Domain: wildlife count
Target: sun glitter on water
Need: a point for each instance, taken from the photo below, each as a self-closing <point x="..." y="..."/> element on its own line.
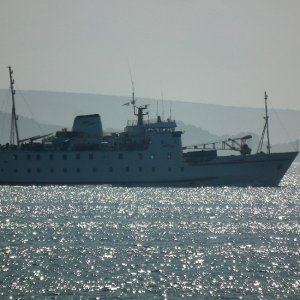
<point x="100" y="241"/>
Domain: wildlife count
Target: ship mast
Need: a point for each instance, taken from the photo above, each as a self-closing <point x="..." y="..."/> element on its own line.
<point x="14" y="117"/>
<point x="140" y="109"/>
<point x="266" y="128"/>
<point x="133" y="99"/>
<point x="267" y="122"/>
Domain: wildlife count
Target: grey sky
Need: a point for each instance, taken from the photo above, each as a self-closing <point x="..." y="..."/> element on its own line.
<point x="224" y="52"/>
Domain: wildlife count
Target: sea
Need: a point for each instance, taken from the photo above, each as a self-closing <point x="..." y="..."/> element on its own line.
<point x="104" y="242"/>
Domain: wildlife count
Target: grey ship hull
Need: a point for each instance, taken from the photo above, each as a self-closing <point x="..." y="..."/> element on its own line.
<point x="105" y="168"/>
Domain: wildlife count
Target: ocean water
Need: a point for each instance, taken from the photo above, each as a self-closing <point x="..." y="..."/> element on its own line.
<point x="102" y="242"/>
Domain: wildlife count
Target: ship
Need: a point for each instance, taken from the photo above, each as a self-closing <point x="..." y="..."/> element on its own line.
<point x="146" y="153"/>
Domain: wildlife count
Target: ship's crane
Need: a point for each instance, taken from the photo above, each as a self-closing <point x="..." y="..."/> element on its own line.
<point x="236" y="144"/>
<point x="34" y="138"/>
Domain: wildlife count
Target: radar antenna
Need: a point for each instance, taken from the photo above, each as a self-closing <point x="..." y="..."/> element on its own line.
<point x="140" y="113"/>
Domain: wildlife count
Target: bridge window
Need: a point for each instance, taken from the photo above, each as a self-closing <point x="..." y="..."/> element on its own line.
<point x="170" y="169"/>
<point x="94" y="170"/>
<point x="65" y="157"/>
<point x="38" y="170"/>
<point x="38" y="156"/>
<point x="120" y="156"/>
<point x="152" y="156"/>
<point x="91" y="156"/>
<point x="65" y="170"/>
<point x="153" y="169"/>
<point x="77" y="156"/>
<point x="78" y="170"/>
<point x="51" y="156"/>
<point x="28" y="170"/>
<point x="140" y="169"/>
<point x="140" y="155"/>
<point x="51" y="170"/>
<point x="169" y="155"/>
<point x="182" y="169"/>
<point x="15" y="157"/>
<point x="28" y="157"/>
<point x="127" y="169"/>
<point x="111" y="169"/>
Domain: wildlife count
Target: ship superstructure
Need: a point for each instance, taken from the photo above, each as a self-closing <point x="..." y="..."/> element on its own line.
<point x="146" y="153"/>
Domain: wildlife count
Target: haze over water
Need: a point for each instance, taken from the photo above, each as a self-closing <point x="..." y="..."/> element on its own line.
<point x="102" y="242"/>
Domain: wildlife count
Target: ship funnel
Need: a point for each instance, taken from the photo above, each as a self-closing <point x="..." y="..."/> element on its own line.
<point x="88" y="125"/>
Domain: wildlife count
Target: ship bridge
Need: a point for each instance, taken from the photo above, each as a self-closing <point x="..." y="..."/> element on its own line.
<point x="154" y="125"/>
<point x="140" y="126"/>
<point x="161" y="126"/>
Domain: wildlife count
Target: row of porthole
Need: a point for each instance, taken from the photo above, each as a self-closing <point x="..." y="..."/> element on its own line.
<point x="90" y="156"/>
<point x="51" y="156"/>
<point x="51" y="170"/>
<point x="78" y="170"/>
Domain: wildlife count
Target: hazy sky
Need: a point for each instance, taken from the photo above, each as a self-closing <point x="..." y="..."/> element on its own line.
<point x="215" y="51"/>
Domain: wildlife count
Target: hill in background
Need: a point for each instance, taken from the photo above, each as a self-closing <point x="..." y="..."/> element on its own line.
<point x="43" y="112"/>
